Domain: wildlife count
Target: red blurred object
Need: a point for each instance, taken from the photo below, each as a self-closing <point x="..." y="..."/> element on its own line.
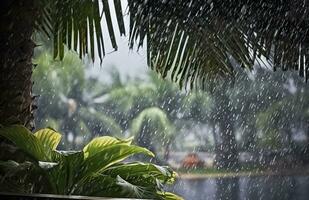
<point x="192" y="161"/>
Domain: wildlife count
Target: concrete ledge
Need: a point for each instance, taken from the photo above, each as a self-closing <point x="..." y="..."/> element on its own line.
<point x="12" y="196"/>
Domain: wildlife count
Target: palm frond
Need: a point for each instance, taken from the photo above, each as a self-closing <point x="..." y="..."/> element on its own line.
<point x="77" y="24"/>
<point x="190" y="42"/>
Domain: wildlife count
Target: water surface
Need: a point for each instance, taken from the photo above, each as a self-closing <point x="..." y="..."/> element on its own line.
<point x="244" y="188"/>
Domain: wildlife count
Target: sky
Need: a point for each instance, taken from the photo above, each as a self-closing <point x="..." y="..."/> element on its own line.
<point x="129" y="63"/>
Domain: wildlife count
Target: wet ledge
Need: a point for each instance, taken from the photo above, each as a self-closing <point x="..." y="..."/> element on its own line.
<point x="12" y="196"/>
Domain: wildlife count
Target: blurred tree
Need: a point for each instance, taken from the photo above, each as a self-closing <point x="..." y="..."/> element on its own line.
<point x="251" y="94"/>
<point x="68" y="101"/>
<point x="224" y="118"/>
<point x="153" y="130"/>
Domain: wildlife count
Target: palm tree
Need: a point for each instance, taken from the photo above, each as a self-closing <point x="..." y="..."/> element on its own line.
<point x="74" y="23"/>
<point x="152" y="127"/>
<point x="188" y="41"/>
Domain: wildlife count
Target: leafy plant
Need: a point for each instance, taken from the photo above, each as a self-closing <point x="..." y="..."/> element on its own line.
<point x="97" y="170"/>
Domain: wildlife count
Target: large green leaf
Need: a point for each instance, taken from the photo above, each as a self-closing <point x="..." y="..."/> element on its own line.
<point x="143" y="191"/>
<point x="49" y="138"/>
<point x="99" y="143"/>
<point x="104" y="186"/>
<point x="26" y="141"/>
<point x="136" y="190"/>
<point x="109" y="156"/>
<point x="94" y="171"/>
<point x="138" y="170"/>
<point x="116" y="187"/>
<point x="109" y="186"/>
<point x="65" y="174"/>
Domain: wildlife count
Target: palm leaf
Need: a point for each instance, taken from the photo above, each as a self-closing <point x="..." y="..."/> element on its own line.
<point x="77" y="24"/>
<point x="188" y="41"/>
<point x="191" y="42"/>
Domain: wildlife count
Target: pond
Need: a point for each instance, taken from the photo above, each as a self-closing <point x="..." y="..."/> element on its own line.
<point x="244" y="188"/>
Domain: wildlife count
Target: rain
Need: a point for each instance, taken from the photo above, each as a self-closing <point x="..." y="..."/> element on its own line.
<point x="194" y="100"/>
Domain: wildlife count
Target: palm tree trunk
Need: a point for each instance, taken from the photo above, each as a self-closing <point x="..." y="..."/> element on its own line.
<point x="17" y="23"/>
<point x="249" y="139"/>
<point x="225" y="146"/>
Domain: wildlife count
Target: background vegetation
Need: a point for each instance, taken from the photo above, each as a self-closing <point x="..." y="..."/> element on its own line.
<point x="261" y="112"/>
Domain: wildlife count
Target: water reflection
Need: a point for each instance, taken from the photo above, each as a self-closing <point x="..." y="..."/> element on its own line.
<point x="245" y="188"/>
<point x="227" y="188"/>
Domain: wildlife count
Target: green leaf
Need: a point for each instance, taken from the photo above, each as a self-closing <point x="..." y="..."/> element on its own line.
<point x="104" y="186"/>
<point x="116" y="187"/>
<point x="136" y="190"/>
<point x="94" y="171"/>
<point x="47" y="165"/>
<point x="26" y="141"/>
<point x="109" y="156"/>
<point x="139" y="170"/>
<point x="169" y="196"/>
<point x="106" y="9"/>
<point x="48" y="137"/>
<point x="10" y="164"/>
<point x="97" y="144"/>
<point x="24" y="177"/>
<point x="65" y="174"/>
<point x="119" y="15"/>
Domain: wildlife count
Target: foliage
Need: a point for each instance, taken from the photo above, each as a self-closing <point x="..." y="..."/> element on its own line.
<point x="77" y="24"/>
<point x="152" y="127"/>
<point x="97" y="170"/>
<point x="191" y="42"/>
<point x="68" y="101"/>
<point x="187" y="42"/>
<point x="158" y="120"/>
<point x="113" y="108"/>
<point x="57" y="81"/>
<point x="97" y="107"/>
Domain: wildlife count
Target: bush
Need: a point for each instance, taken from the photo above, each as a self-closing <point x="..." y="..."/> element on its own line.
<point x="97" y="170"/>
